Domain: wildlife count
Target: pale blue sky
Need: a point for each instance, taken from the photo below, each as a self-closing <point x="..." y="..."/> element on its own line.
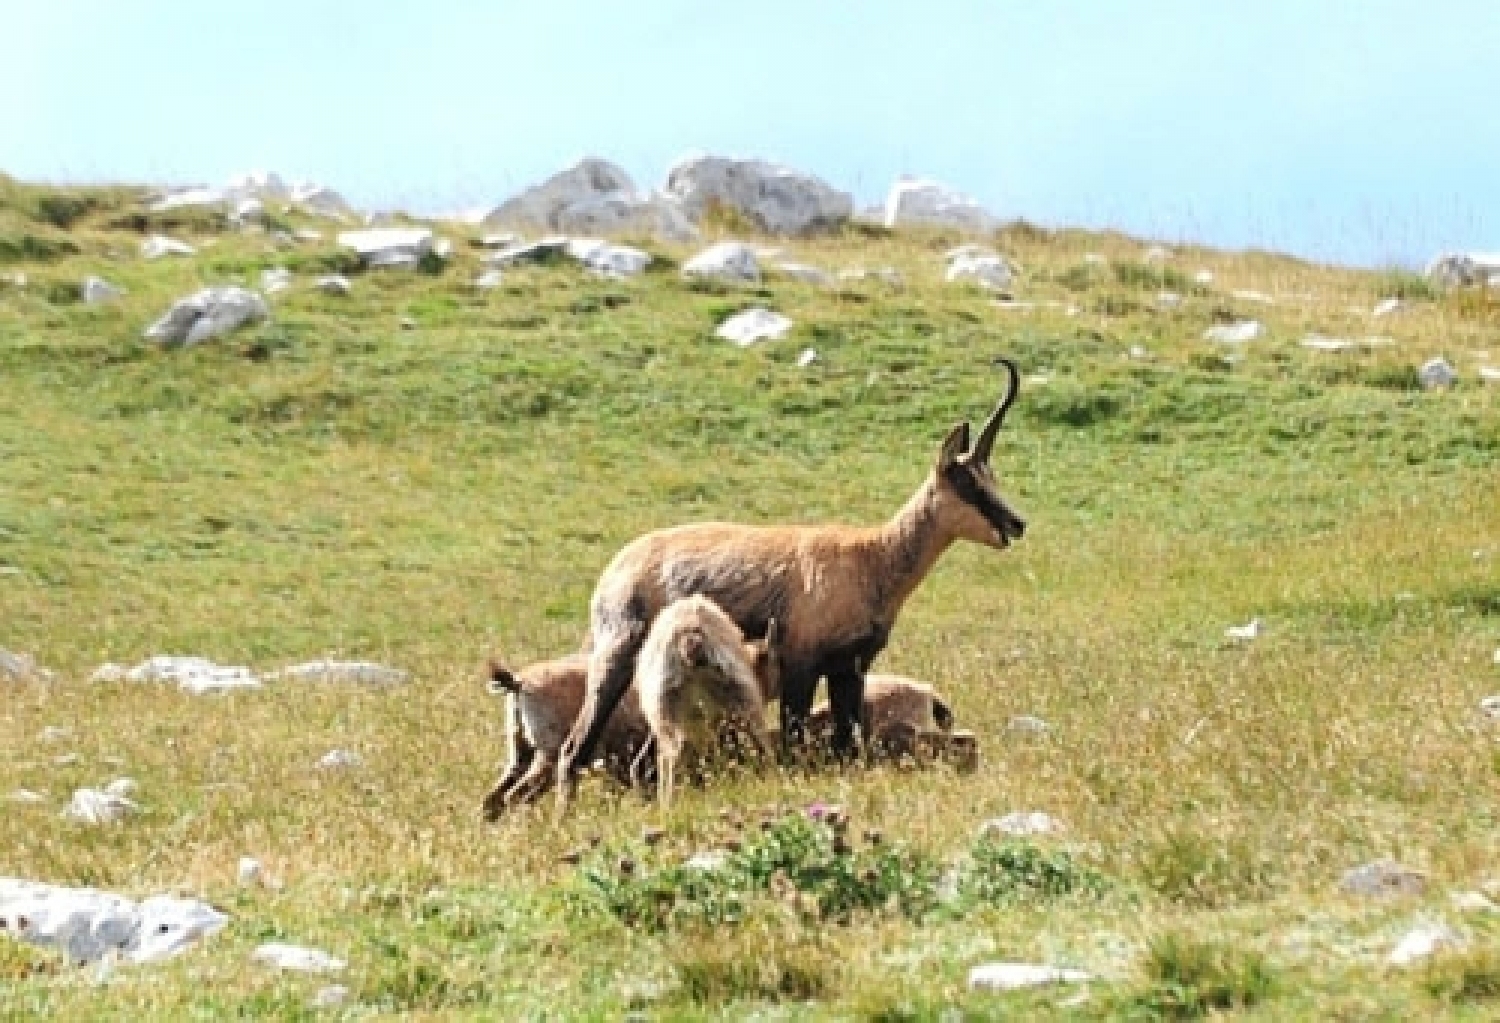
<point x="1357" y="130"/>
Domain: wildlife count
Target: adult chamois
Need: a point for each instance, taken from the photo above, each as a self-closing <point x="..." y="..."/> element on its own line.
<point x="836" y="590"/>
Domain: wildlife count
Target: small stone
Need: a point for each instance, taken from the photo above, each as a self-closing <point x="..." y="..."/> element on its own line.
<point x="1026" y="724"/>
<point x="275" y="279"/>
<point x="709" y="859"/>
<point x="1203" y="277"/>
<point x="1021" y="825"/>
<point x="987" y="269"/>
<point x="1490" y="705"/>
<point x="807" y="358"/>
<point x="91" y="806"/>
<point x="1422" y="941"/>
<point x="96" y="290"/>
<point x="1014" y="976"/>
<point x="333" y="284"/>
<point x="1095" y="259"/>
<point x="1383" y="878"/>
<point x="1158" y="254"/>
<point x="407" y="323"/>
<point x="26" y="796"/>
<point x="753" y="325"/>
<point x="366" y="673"/>
<point x="207" y="314"/>
<point x="157" y="246"/>
<point x="1472" y="902"/>
<point x="1139" y="352"/>
<point x="728" y="260"/>
<point x="1385" y="307"/>
<point x="1237" y="333"/>
<point x="54" y="733"/>
<point x="1252" y="296"/>
<point x="489" y="279"/>
<point x="250" y="871"/>
<point x="1245" y="633"/>
<point x="121" y="788"/>
<point x="335" y="759"/>
<point x="297" y="958"/>
<point x="1437" y="373"/>
<point x="1168" y="299"/>
<point x="330" y="997"/>
<point x="307" y="234"/>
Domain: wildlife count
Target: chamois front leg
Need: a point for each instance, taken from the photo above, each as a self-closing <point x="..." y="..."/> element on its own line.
<point x="610" y="670"/>
<point x="797" y="691"/>
<point x="846" y="698"/>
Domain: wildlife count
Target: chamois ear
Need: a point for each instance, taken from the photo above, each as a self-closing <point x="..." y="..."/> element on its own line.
<point x="954" y="445"/>
<point x="773" y="635"/>
<point x="501" y="680"/>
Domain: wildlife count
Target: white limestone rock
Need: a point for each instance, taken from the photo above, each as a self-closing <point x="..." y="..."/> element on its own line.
<point x="1319" y="343"/>
<point x="248" y="211"/>
<point x="489" y="279"/>
<point x="987" y="269"/>
<point x="1028" y="724"/>
<point x="1472" y="902"/>
<point x="1246" y="295"/>
<point x="1245" y="633"/>
<point x="1015" y="976"/>
<point x="807" y="358"/>
<point x="1021" y="824"/>
<point x="921" y="202"/>
<point x="98" y="806"/>
<point x="607" y="259"/>
<point x="1203" y="278"/>
<point x="1464" y="269"/>
<point x="297" y="958"/>
<point x="775" y="199"/>
<point x="307" y="234"/>
<point x="339" y="759"/>
<point x="26" y="796"/>
<point x="1158" y="254"/>
<point x="622" y="213"/>
<point x="1383" y="879"/>
<point x="388" y="246"/>
<point x="1490" y="374"/>
<point x="207" y="314"/>
<point x="545" y="250"/>
<point x="753" y="325"/>
<point x="275" y="279"/>
<point x="1424" y="940"/>
<point x="334" y="284"/>
<point x="541" y="207"/>
<point x="362" y="673"/>
<point x="320" y="201"/>
<point x="21" y="668"/>
<point x="194" y="674"/>
<point x="330" y="996"/>
<point x="97" y="291"/>
<point x="1168" y="300"/>
<point x="727" y="261"/>
<point x="1237" y="333"/>
<point x="87" y="925"/>
<point x="1490" y="705"/>
<point x="1437" y="373"/>
<point x="1385" y="307"/>
<point x="159" y="245"/>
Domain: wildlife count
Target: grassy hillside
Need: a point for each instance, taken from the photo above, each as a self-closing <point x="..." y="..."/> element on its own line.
<point x="424" y="473"/>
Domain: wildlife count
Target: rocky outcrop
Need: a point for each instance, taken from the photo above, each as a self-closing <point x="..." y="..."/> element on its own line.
<point x="207" y="314"/>
<point x="772" y="198"/>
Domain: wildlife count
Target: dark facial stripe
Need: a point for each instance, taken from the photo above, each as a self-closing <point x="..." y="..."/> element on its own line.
<point x="962" y="480"/>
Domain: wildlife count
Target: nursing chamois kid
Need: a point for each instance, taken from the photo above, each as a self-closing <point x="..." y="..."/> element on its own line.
<point x="836" y="589"/>
<point x="697" y="675"/>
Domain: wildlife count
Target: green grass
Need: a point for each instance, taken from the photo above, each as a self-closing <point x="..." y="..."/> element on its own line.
<point x="333" y="484"/>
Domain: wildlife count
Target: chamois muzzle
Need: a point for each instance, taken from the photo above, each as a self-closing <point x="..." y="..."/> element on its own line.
<point x="986" y="441"/>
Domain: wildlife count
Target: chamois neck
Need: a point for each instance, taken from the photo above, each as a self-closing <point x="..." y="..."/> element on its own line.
<point x="910" y="544"/>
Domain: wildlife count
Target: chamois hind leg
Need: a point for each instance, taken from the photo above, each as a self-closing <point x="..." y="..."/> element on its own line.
<point x="522" y="753"/>
<point x="611" y="667"/>
<point x="846" y="698"/>
<point x="534" y="784"/>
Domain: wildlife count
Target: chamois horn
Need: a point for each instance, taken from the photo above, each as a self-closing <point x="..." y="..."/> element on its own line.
<point x="981" y="452"/>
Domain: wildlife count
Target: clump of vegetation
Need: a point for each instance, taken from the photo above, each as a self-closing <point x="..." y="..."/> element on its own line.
<point x="803" y="862"/>
<point x="1193" y="870"/>
<point x="765" y="963"/>
<point x="1189" y="977"/>
<point x="1472" y="975"/>
<point x="1005" y="872"/>
<point x="1151" y="277"/>
<point x="1408" y="287"/>
<point x="20" y="961"/>
<point x="1072" y="403"/>
<point x="35" y="247"/>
